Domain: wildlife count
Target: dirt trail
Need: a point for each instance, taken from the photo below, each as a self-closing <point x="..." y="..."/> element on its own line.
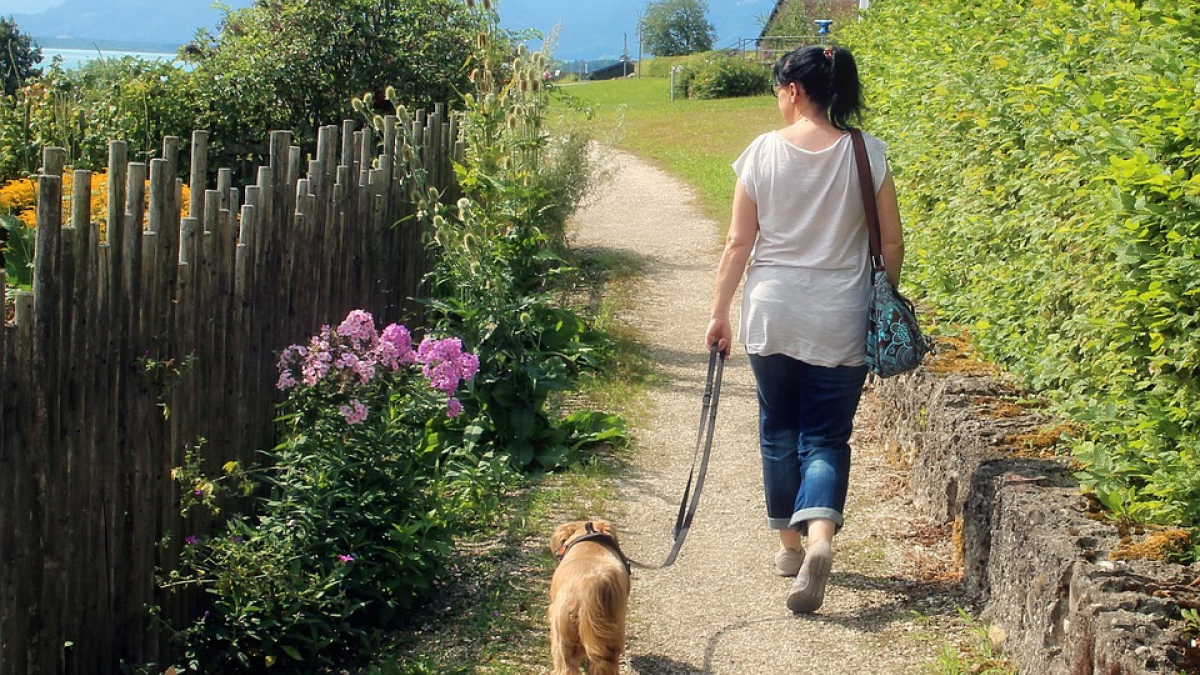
<point x="890" y="606"/>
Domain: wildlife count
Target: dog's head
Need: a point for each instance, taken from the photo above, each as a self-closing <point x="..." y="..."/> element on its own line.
<point x="568" y="531"/>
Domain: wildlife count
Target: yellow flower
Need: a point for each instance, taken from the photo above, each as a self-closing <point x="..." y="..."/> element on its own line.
<point x="17" y="195"/>
<point x="20" y="197"/>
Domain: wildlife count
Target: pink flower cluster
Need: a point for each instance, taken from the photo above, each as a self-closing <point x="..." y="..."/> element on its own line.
<point x="354" y="413"/>
<point x="355" y="352"/>
<point x="445" y="364"/>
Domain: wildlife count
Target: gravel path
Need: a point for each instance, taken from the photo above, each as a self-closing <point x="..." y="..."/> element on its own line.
<point x="890" y="606"/>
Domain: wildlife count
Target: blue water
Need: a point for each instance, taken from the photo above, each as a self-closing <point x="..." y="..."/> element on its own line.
<point x="73" y="58"/>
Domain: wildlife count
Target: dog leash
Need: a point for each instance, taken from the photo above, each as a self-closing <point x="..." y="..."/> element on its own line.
<point x="704" y="439"/>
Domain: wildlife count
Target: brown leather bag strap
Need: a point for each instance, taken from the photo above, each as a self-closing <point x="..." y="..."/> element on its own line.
<point x="866" y="184"/>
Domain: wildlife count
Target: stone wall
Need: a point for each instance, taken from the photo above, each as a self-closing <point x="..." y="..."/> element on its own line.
<point x="1034" y="557"/>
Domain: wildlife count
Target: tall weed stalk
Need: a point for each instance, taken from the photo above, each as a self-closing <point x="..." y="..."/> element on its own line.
<point x="500" y="263"/>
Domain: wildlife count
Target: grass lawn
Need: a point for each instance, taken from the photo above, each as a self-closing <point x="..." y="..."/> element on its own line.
<point x="694" y="140"/>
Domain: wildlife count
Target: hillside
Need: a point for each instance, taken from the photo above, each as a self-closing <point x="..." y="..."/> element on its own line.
<point x="156" y="22"/>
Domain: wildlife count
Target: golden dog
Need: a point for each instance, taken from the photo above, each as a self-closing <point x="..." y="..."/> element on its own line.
<point x="589" y="597"/>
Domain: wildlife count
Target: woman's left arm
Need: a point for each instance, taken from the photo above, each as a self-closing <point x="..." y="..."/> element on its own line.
<point x="743" y="231"/>
<point x="891" y="233"/>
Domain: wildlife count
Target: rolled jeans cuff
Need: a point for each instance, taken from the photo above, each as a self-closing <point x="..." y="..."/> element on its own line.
<point x="799" y="519"/>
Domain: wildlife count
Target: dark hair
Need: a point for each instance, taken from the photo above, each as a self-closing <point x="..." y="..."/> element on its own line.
<point x="830" y="80"/>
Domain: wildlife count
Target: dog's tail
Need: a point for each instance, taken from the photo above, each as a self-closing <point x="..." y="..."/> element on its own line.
<point x="602" y="626"/>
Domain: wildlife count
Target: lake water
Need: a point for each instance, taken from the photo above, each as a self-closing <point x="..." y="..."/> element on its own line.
<point x="73" y="58"/>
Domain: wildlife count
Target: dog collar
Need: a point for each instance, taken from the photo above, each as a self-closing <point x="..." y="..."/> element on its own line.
<point x="606" y="540"/>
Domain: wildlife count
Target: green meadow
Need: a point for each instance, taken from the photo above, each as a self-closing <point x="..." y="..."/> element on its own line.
<point x="694" y="140"/>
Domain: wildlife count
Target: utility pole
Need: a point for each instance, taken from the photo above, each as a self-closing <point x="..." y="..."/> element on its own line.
<point x="640" y="30"/>
<point x="625" y="55"/>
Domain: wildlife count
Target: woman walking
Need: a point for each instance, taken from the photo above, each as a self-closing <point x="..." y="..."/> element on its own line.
<point x="798" y="221"/>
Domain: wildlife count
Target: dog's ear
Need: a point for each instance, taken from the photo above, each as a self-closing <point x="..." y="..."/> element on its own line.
<point x="562" y="533"/>
<point x="605" y="527"/>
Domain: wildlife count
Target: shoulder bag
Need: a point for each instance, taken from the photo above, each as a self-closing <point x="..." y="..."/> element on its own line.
<point x="894" y="340"/>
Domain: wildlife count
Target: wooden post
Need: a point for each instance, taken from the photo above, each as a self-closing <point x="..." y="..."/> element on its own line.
<point x="45" y="581"/>
<point x="9" y="509"/>
<point x="22" y="653"/>
<point x="198" y="174"/>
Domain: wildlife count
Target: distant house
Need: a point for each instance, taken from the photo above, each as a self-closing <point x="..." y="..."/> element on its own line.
<point x="623" y="68"/>
<point x="841" y="9"/>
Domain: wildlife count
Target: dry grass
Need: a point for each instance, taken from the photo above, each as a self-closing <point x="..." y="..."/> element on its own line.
<point x="957" y="356"/>
<point x="1165" y="545"/>
<point x="1041" y="443"/>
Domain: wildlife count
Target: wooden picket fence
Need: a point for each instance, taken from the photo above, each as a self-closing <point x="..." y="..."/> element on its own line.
<point x="144" y="337"/>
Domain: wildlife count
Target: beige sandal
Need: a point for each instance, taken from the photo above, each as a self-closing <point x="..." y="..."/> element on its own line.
<point x="788" y="562"/>
<point x="808" y="591"/>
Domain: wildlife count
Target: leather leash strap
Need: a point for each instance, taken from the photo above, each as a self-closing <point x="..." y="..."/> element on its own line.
<point x="704" y="439"/>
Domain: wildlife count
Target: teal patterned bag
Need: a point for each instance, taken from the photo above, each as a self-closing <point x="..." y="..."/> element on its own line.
<point x="894" y="340"/>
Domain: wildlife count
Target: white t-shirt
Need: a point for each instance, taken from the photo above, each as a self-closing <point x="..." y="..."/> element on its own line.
<point x="808" y="281"/>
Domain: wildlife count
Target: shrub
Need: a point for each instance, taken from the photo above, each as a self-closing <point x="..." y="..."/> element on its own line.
<point x="81" y="110"/>
<point x="296" y="65"/>
<point x="724" y="76"/>
<point x="1047" y="154"/>
<point x="360" y="502"/>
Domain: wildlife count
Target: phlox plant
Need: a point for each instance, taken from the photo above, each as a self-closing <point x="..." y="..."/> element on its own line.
<point x="359" y="506"/>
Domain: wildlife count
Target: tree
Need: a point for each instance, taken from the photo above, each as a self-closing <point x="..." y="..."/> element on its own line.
<point x="18" y="56"/>
<point x="677" y="27"/>
<point x="297" y="64"/>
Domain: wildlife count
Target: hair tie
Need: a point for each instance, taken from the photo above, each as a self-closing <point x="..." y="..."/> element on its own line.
<point x="829" y="53"/>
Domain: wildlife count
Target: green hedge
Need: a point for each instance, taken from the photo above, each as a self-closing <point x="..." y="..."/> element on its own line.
<point x="1046" y="153"/>
<point x="724" y="76"/>
<point x="709" y="75"/>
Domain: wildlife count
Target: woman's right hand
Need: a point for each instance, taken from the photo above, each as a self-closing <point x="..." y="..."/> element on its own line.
<point x="719" y="333"/>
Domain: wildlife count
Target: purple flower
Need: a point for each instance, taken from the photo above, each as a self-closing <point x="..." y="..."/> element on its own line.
<point x="237" y="539"/>
<point x="398" y="338"/>
<point x="453" y="407"/>
<point x="346" y="558"/>
<point x="286" y="381"/>
<point x="359" y="326"/>
<point x="445" y="364"/>
<point x="192" y="540"/>
<point x="355" y="412"/>
<point x="469" y="364"/>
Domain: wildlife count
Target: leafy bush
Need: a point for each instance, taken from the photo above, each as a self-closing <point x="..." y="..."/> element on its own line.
<point x="17" y="254"/>
<point x="724" y="76"/>
<point x="359" y="506"/>
<point x="81" y="110"/>
<point x="295" y="65"/>
<point x="1047" y="153"/>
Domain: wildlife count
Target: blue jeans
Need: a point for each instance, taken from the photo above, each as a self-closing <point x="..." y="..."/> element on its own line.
<point x="806" y="414"/>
